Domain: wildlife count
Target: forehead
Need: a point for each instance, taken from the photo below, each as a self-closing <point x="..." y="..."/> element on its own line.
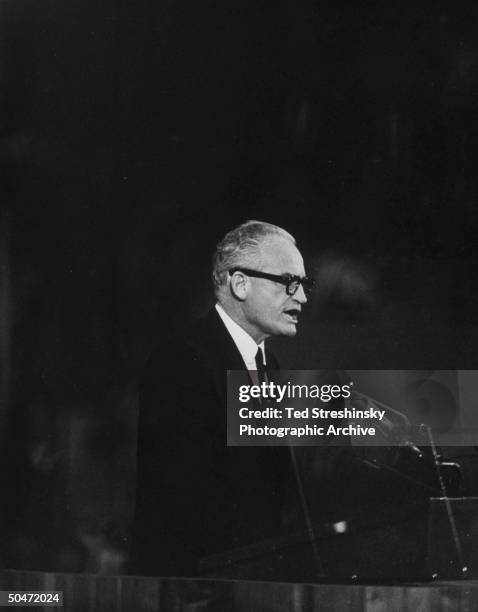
<point x="280" y="256"/>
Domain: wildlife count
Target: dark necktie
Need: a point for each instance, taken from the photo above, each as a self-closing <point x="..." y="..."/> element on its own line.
<point x="261" y="368"/>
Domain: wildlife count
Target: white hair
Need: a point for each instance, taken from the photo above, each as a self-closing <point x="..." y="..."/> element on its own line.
<point x="240" y="248"/>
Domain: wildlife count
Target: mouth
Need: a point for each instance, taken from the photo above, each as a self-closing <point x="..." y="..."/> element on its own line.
<point x="292" y="314"/>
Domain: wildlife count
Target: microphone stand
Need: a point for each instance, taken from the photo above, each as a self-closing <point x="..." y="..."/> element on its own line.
<point x="395" y="437"/>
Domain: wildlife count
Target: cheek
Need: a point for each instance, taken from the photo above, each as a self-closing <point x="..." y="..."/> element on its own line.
<point x="277" y="310"/>
<point x="257" y="307"/>
<point x="267" y="304"/>
<point x="261" y="301"/>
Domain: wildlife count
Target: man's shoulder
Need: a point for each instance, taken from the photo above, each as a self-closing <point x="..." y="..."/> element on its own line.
<point x="204" y="342"/>
<point x="203" y="331"/>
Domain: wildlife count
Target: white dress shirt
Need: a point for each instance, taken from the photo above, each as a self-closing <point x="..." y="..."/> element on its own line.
<point x="245" y="344"/>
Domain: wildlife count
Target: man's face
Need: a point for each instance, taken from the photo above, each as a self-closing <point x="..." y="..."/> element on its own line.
<point x="267" y="308"/>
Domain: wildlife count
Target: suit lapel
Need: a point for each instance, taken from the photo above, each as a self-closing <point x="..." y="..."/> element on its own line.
<point x="211" y="337"/>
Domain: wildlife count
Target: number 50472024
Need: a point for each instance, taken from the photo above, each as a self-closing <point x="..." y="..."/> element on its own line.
<point x="31" y="598"/>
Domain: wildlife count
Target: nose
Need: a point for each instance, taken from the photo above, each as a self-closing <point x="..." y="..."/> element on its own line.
<point x="299" y="295"/>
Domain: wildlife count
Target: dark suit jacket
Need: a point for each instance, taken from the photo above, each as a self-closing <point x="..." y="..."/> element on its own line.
<point x="195" y="495"/>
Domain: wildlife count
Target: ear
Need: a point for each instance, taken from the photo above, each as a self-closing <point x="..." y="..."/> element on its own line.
<point x="239" y="285"/>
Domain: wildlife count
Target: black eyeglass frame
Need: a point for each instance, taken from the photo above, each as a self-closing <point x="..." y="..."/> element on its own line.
<point x="284" y="279"/>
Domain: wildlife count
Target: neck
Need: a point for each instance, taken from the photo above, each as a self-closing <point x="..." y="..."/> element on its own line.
<point x="236" y="314"/>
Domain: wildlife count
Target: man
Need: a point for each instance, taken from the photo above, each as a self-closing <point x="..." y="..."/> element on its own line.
<point x="195" y="495"/>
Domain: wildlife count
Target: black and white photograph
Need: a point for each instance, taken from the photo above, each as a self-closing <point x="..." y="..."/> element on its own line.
<point x="239" y="306"/>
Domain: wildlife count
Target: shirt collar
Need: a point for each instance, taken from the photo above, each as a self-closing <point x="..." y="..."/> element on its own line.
<point x="246" y="345"/>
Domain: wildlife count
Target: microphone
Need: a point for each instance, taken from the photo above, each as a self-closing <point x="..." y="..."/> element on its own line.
<point x="395" y="434"/>
<point x="398" y="433"/>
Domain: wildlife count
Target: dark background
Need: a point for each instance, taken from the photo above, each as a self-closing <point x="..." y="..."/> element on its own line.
<point x="133" y="135"/>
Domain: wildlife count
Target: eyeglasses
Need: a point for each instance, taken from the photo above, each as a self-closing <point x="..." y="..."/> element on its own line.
<point x="291" y="282"/>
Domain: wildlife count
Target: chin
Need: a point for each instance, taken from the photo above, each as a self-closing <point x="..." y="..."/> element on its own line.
<point x="289" y="331"/>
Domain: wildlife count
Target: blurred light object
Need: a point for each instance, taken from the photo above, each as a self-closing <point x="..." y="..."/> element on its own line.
<point x="340" y="527"/>
<point x="346" y="285"/>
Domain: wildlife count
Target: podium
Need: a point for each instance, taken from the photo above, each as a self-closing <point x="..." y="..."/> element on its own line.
<point x="453" y="538"/>
<point x="434" y="540"/>
<point x="408" y="565"/>
<point x="140" y="594"/>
